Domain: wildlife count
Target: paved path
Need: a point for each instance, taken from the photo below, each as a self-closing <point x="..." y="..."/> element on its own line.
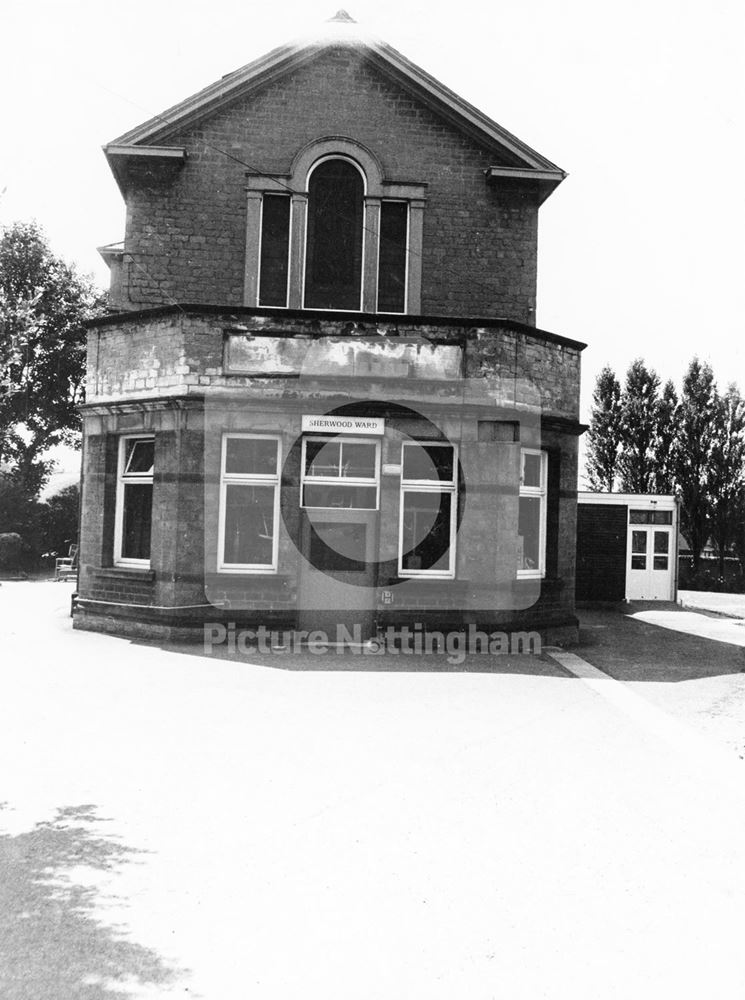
<point x="231" y="830"/>
<point x="731" y="605"/>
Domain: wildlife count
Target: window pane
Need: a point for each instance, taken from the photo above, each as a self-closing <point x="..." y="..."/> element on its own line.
<point x="322" y="458"/>
<point x="638" y="562"/>
<point x="137" y="520"/>
<point x="249" y="524"/>
<point x="639" y="541"/>
<point x="275" y="250"/>
<point x="343" y="497"/>
<point x="139" y="457"/>
<point x="532" y="469"/>
<point x="428" y="462"/>
<point x="661" y="542"/>
<point x="660" y="562"/>
<point x="333" y="269"/>
<point x="394" y="217"/>
<point x="426" y="531"/>
<point x="358" y="460"/>
<point x="663" y="517"/>
<point x="251" y="456"/>
<point x="529" y="533"/>
<point x="639" y="516"/>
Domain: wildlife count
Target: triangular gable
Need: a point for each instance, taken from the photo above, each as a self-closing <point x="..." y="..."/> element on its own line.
<point x="523" y="161"/>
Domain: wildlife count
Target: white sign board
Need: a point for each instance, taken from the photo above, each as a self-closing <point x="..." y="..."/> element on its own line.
<point x="331" y="424"/>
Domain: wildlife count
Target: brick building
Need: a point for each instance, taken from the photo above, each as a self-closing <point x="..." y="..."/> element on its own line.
<point x="320" y="397"/>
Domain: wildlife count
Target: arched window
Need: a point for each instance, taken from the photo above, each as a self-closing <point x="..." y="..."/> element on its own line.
<point x="333" y="260"/>
<point x="334" y="233"/>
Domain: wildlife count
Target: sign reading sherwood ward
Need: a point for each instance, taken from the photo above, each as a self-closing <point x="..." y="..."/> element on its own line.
<point x="343" y="425"/>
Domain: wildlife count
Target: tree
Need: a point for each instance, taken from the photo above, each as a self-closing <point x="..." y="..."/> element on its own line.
<point x="696" y="417"/>
<point x="43" y="306"/>
<point x="727" y="471"/>
<point x="667" y="440"/>
<point x="58" y="520"/>
<point x="639" y="405"/>
<point x="604" y="434"/>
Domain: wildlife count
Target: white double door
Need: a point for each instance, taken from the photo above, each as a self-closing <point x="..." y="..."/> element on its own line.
<point x="649" y="567"/>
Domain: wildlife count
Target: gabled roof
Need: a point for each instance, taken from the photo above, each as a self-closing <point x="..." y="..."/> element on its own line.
<point x="342" y="32"/>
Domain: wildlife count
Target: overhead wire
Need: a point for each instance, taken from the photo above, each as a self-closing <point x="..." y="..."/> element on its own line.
<point x="448" y="268"/>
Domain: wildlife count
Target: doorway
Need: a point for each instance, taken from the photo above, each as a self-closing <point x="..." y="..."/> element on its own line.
<point x="650" y="563"/>
<point x="339" y="536"/>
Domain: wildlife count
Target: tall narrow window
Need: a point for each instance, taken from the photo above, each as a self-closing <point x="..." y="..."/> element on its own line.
<point x="249" y="503"/>
<point x="428" y="510"/>
<point x="275" y="250"/>
<point x="531" y="553"/>
<point x="394" y="232"/>
<point x="333" y="268"/>
<point x="134" y="501"/>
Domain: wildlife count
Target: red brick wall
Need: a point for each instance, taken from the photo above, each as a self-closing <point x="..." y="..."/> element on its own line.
<point x="186" y="232"/>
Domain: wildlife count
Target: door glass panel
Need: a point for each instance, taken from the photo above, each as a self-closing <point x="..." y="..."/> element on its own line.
<point x="660" y="562"/>
<point x="638" y="562"/>
<point x="661" y="542"/>
<point x="639" y="542"/>
<point x="338" y="546"/>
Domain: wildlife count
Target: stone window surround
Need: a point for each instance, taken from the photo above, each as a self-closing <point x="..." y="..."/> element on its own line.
<point x="377" y="189"/>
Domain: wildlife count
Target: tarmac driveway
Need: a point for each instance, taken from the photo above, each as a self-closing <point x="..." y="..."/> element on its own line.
<point x="691" y="664"/>
<point x="177" y="826"/>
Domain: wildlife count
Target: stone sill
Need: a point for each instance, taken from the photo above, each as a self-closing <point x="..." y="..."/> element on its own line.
<point x="122" y="573"/>
<point x="223" y="580"/>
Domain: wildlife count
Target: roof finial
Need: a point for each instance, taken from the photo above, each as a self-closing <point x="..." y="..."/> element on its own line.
<point x="341" y="15"/>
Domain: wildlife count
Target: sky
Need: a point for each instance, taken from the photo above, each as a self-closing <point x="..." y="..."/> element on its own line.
<point x="642" y="248"/>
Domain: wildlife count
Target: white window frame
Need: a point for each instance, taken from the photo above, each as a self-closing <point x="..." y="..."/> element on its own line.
<point x="388" y="312"/>
<point x="248" y="479"/>
<point x="122" y="480"/>
<point x="540" y="492"/>
<point x="340" y="480"/>
<point x="429" y="486"/>
<point x="274" y="194"/>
